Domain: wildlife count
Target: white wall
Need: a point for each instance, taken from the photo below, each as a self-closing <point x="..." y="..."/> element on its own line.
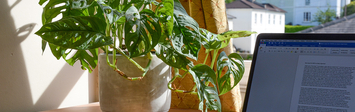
<point x="295" y="7"/>
<point x="286" y="5"/>
<point x="243" y="18"/>
<point x="230" y="24"/>
<point x="246" y="21"/>
<point x="313" y="7"/>
<point x="30" y="81"/>
<point x="243" y="21"/>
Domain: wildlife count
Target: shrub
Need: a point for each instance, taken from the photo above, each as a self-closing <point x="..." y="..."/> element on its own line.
<point x="294" y="29"/>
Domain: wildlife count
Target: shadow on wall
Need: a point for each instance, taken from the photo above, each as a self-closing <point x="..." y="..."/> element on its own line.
<point x="15" y="92"/>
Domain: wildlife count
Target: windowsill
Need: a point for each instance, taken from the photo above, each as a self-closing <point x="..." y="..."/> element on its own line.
<point x="95" y="107"/>
<point x="308" y="22"/>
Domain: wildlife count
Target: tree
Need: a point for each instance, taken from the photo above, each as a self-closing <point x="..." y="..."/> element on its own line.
<point x="350" y="9"/>
<point x="324" y="16"/>
<point x="229" y="1"/>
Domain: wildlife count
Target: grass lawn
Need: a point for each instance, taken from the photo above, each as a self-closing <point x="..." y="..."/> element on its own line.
<point x="294" y="29"/>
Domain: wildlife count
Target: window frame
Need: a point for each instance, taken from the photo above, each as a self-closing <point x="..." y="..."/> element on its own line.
<point x="261" y="18"/>
<point x="256" y="18"/>
<point x="269" y="21"/>
<point x="280" y="19"/>
<point x="307" y="17"/>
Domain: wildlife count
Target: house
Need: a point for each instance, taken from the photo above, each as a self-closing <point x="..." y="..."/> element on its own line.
<point x="254" y="16"/>
<point x="301" y="12"/>
<point x="230" y="21"/>
<point x="342" y="25"/>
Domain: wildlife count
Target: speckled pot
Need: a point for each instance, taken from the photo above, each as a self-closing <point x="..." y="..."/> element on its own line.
<point x="147" y="95"/>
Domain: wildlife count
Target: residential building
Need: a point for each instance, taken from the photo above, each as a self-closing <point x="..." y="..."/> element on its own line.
<point x="301" y="12"/>
<point x="257" y="17"/>
<point x="230" y="21"/>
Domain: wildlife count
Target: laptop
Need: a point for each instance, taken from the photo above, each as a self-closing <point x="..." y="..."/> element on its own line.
<point x="302" y="73"/>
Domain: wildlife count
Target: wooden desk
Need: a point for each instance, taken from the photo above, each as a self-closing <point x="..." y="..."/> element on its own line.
<point x="95" y="107"/>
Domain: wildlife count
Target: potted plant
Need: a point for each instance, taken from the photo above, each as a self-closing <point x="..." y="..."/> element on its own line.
<point x="75" y="30"/>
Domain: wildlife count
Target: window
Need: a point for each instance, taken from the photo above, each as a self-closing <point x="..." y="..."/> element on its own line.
<point x="280" y="19"/>
<point x="256" y="15"/>
<point x="307" y="2"/>
<point x="261" y="18"/>
<point x="273" y="21"/>
<point x="307" y="16"/>
<point x="269" y="19"/>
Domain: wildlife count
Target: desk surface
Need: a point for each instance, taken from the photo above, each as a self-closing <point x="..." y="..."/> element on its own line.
<point x="95" y="107"/>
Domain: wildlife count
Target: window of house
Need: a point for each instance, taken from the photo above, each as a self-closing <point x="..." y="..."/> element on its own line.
<point x="255" y="19"/>
<point x="261" y="18"/>
<point x="308" y="2"/>
<point x="280" y="19"/>
<point x="269" y="19"/>
<point x="273" y="21"/>
<point x="307" y="16"/>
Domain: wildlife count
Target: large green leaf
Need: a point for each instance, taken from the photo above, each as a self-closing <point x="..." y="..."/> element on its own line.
<point x="66" y="7"/>
<point x="53" y="8"/>
<point x="166" y="14"/>
<point x="41" y="2"/>
<point x="57" y="51"/>
<point x="136" y="3"/>
<point x="80" y="33"/>
<point x="111" y="14"/>
<point x="203" y="75"/>
<point x="81" y="4"/>
<point x="231" y="62"/>
<point x="226" y="36"/>
<point x="210" y="40"/>
<point x="175" y="49"/>
<point x="187" y="28"/>
<point x="168" y="55"/>
<point x="87" y="58"/>
<point x="142" y="31"/>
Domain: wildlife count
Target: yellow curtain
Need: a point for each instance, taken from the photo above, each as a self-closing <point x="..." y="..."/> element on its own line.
<point x="210" y="15"/>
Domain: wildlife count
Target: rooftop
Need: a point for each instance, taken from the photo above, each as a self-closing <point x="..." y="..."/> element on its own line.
<point x="231" y="17"/>
<point x="246" y="4"/>
<point x="342" y="25"/>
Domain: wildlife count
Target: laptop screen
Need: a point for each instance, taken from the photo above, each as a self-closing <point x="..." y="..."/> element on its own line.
<point x="302" y="73"/>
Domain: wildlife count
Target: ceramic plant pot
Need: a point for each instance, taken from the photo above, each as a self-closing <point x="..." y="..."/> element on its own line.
<point x="150" y="94"/>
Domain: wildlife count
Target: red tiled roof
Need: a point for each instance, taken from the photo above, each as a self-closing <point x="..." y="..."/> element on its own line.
<point x="239" y="4"/>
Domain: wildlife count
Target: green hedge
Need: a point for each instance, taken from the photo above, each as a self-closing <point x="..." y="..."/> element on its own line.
<point x="293" y="29"/>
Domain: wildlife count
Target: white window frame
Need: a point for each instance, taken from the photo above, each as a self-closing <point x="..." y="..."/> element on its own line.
<point x="256" y="19"/>
<point x="307" y="17"/>
<point x="269" y="19"/>
<point x="280" y="19"/>
<point x="261" y="18"/>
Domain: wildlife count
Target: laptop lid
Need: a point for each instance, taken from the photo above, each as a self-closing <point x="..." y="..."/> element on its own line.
<point x="302" y="73"/>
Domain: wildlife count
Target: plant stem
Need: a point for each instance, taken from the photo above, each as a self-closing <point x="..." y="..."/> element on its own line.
<point x="120" y="35"/>
<point x="130" y="59"/>
<point x="194" y="88"/>
<point x="204" y="62"/>
<point x="178" y="90"/>
<point x="122" y="73"/>
<point x="215" y="52"/>
<point x="114" y="45"/>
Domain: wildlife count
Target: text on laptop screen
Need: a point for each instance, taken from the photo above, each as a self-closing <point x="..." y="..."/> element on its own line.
<point x="303" y="75"/>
